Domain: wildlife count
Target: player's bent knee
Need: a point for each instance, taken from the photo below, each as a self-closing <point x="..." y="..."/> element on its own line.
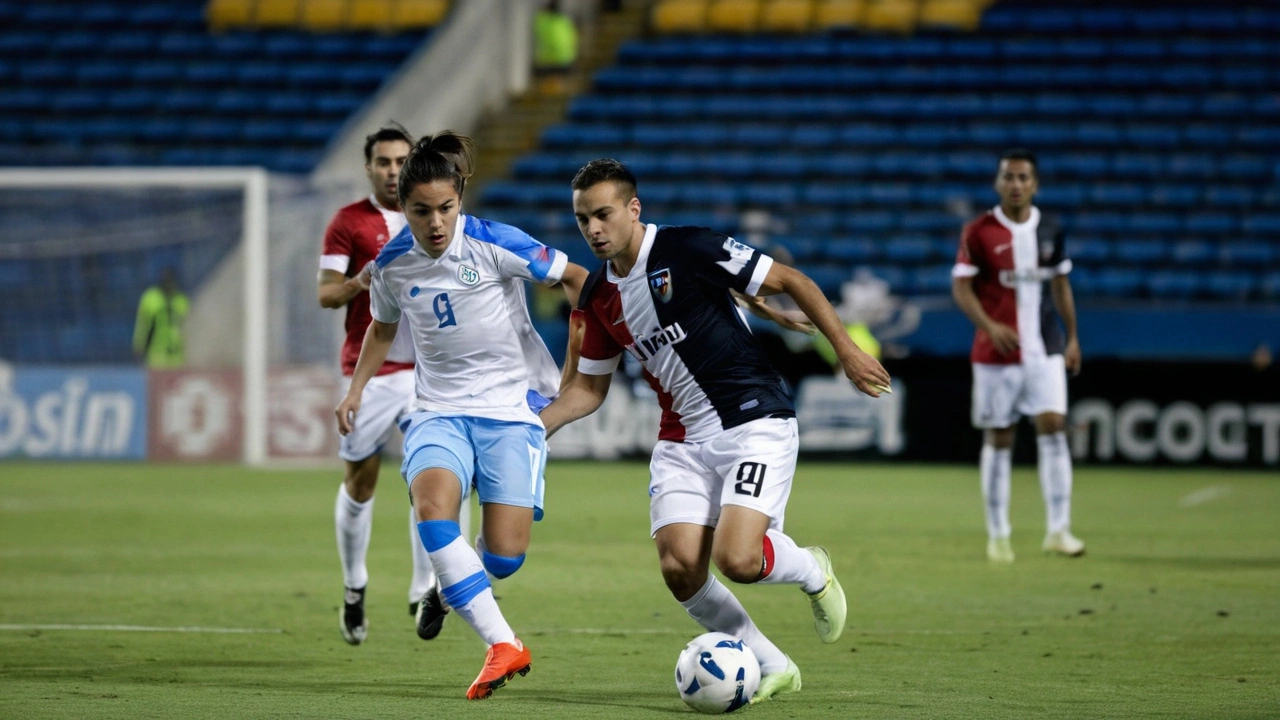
<point x="500" y="566"/>
<point x="740" y="567"/>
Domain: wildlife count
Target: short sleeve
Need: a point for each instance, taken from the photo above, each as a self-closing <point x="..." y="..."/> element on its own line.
<point x="336" y="254"/>
<point x="1058" y="259"/>
<point x="519" y="255"/>
<point x="382" y="302"/>
<point x="969" y="255"/>
<point x="727" y="263"/>
<point x="600" y="353"/>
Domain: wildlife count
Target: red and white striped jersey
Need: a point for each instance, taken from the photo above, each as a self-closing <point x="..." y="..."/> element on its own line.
<point x="1011" y="265"/>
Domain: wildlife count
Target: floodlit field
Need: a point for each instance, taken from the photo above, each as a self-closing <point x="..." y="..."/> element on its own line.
<point x="1174" y="612"/>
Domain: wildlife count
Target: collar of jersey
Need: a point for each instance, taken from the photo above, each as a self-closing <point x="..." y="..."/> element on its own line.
<point x="1033" y="218"/>
<point x="454" y="250"/>
<point x="642" y="258"/>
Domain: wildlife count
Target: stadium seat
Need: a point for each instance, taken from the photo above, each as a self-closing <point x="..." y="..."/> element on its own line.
<point x="1173" y="284"/>
<point x="850" y="250"/>
<point x="1193" y="252"/>
<point x="1088" y="250"/>
<point x="418" y="14"/>
<point x="364" y="15"/>
<point x="838" y="14"/>
<point x="950" y="14"/>
<point x="323" y="15"/>
<point x="224" y="14"/>
<point x="276" y="13"/>
<point x="1231" y="285"/>
<point x="897" y="16"/>
<point x="738" y="16"/>
<point x="1246" y="254"/>
<point x="679" y="16"/>
<point x="1141" y="252"/>
<point x="791" y="16"/>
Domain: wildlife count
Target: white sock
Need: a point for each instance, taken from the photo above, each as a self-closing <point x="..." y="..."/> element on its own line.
<point x="463" y="582"/>
<point x="1055" y="479"/>
<point x="424" y="575"/>
<point x="787" y="562"/>
<point x="995" y="467"/>
<point x="717" y="610"/>
<point x="353" y="522"/>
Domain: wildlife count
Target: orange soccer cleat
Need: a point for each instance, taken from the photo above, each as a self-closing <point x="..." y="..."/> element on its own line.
<point x="501" y="663"/>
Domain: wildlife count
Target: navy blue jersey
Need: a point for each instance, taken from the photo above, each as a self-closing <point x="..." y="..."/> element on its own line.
<point x="675" y="314"/>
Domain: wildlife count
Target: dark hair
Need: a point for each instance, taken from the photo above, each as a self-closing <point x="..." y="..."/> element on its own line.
<point x="394" y="131"/>
<point x="606" y="170"/>
<point x="443" y="156"/>
<point x="1020" y="154"/>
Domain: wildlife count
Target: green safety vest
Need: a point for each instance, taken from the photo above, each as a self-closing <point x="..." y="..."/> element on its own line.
<point x="555" y="40"/>
<point x="158" y="331"/>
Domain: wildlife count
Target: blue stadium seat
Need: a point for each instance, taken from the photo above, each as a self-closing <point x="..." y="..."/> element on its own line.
<point x="1098" y="134"/>
<point x="1173" y="196"/>
<point x="1238" y="197"/>
<point x="1211" y="136"/>
<point x="1247" y="167"/>
<point x="931" y="280"/>
<point x="1173" y="284"/>
<point x="1263" y="225"/>
<point x="803" y="249"/>
<point x="1117" y="282"/>
<point x="1270" y="285"/>
<point x="185" y="45"/>
<point x="1214" y="224"/>
<point x="1112" y="105"/>
<point x="1123" y="194"/>
<point x="851" y="250"/>
<point x="1193" y="252"/>
<point x="872" y="222"/>
<point x="911" y="250"/>
<point x="1231" y="285"/>
<point x="1247" y="254"/>
<point x="1153" y="223"/>
<point x="827" y="277"/>
<point x="1100" y="223"/>
<point x="1088" y="250"/>
<point x="1141" y="252"/>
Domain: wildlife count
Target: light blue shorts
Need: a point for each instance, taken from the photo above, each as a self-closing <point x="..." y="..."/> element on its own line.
<point x="504" y="461"/>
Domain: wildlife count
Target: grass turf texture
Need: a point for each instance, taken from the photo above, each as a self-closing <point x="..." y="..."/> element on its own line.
<point x="1173" y="612"/>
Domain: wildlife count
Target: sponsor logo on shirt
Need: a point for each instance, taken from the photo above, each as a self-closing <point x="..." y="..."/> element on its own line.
<point x="1011" y="278"/>
<point x="468" y="275"/>
<point x="647" y="346"/>
<point x="739" y="256"/>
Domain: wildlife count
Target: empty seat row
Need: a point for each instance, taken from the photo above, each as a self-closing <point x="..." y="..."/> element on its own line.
<point x="1142" y="19"/>
<point x="106" y="78"/>
<point x="723" y="105"/>
<point x="67" y="48"/>
<point x="834" y="78"/>
<point x="872" y="50"/>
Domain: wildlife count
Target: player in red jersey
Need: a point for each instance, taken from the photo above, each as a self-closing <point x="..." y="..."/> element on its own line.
<point x="1010" y="279"/>
<point x="351" y="242"/>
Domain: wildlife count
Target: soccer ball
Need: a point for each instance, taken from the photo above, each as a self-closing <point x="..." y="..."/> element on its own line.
<point x="717" y="673"/>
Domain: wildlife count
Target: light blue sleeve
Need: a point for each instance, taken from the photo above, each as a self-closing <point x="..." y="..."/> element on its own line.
<point x="523" y="256"/>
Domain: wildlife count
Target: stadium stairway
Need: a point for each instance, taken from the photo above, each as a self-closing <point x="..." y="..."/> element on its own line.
<point x="516" y="130"/>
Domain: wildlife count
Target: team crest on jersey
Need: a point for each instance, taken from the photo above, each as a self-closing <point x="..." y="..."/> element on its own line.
<point x="660" y="284"/>
<point x="468" y="275"/>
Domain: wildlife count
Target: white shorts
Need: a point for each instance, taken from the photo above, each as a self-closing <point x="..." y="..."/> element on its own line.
<point x="384" y="401"/>
<point x="750" y="465"/>
<point x="1002" y="394"/>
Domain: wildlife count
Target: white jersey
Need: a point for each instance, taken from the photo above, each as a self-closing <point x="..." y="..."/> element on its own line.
<point x="476" y="349"/>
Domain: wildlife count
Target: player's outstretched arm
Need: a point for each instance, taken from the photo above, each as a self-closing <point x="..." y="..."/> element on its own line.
<point x="583" y="395"/>
<point x="373" y="352"/>
<point x="335" y="289"/>
<point x="1003" y="337"/>
<point x="866" y="373"/>
<point x="1064" y="300"/>
<point x="786" y="320"/>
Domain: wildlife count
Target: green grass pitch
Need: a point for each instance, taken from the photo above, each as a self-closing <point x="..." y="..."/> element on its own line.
<point x="1174" y="612"/>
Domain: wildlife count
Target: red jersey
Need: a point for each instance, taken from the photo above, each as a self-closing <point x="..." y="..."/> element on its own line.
<point x="1011" y="265"/>
<point x="352" y="240"/>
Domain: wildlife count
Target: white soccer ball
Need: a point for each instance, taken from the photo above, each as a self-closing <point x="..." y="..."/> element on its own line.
<point x="717" y="673"/>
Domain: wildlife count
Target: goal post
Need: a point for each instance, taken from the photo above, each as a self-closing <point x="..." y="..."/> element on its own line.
<point x="253" y="184"/>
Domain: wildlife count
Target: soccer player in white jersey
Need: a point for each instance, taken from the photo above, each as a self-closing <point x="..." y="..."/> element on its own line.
<point x="722" y="469"/>
<point x="353" y="239"/>
<point x="1010" y="279"/>
<point x="482" y="375"/>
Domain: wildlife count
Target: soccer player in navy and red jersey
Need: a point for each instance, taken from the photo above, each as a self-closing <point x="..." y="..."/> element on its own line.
<point x="722" y="469"/>
<point x="1010" y="279"/>
<point x="353" y="239"/>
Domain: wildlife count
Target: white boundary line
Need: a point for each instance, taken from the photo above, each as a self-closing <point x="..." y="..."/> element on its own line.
<point x="1204" y="495"/>
<point x="143" y="628"/>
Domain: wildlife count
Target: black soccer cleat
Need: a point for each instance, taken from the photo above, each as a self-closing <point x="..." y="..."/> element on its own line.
<point x="431" y="612"/>
<point x="351" y="620"/>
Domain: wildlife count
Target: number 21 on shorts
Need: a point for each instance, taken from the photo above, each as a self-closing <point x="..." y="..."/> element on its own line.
<point x="750" y="479"/>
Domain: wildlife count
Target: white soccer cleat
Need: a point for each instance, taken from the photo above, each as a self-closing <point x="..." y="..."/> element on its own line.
<point x="999" y="550"/>
<point x="828" y="604"/>
<point x="1063" y="543"/>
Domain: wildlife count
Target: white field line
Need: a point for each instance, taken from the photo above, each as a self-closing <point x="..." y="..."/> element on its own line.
<point x="1204" y="495"/>
<point x="141" y="628"/>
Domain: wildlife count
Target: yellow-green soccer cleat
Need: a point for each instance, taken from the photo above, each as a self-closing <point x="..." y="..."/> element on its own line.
<point x="828" y="604"/>
<point x="999" y="550"/>
<point x="780" y="682"/>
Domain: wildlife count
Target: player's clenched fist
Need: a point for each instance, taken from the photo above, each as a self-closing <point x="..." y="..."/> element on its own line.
<point x="346" y="413"/>
<point x="867" y="374"/>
